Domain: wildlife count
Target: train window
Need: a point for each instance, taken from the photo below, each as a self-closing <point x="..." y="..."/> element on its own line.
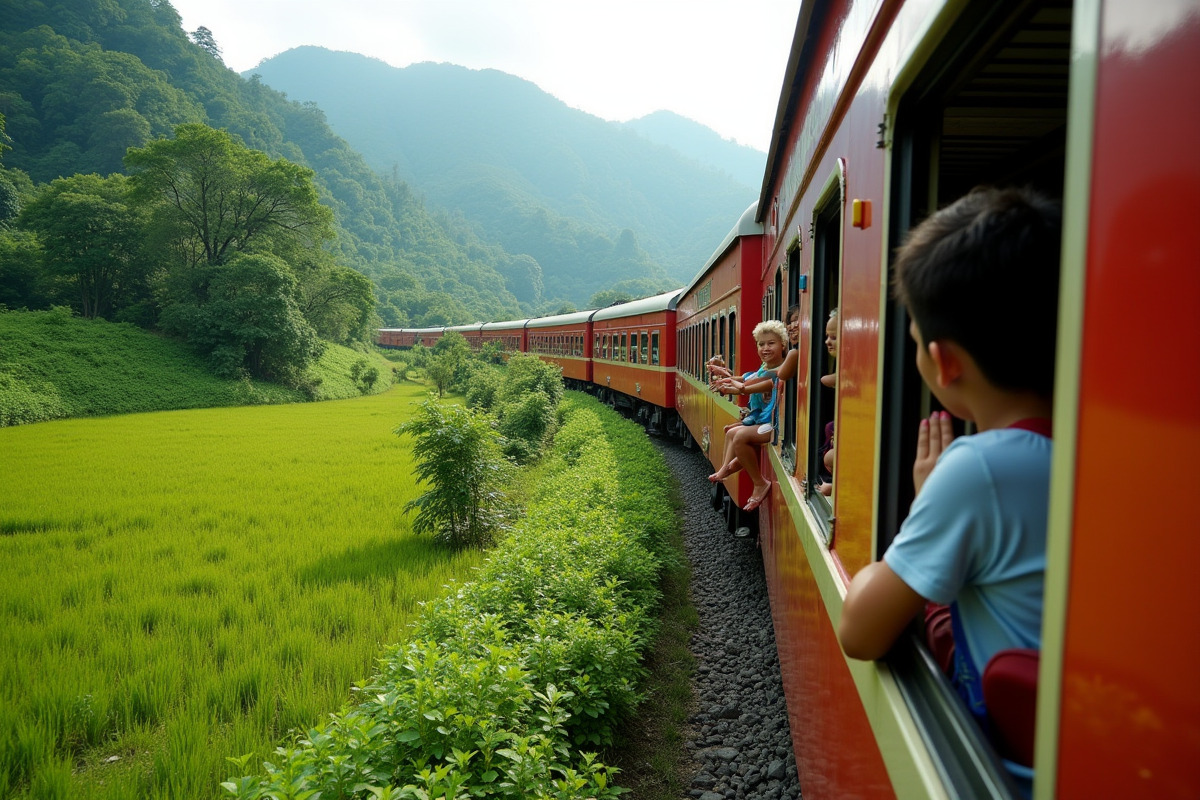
<point x="822" y="369"/>
<point x="721" y="337"/>
<point x="624" y="346"/>
<point x="645" y="347"/>
<point x="790" y="405"/>
<point x="777" y="296"/>
<point x="731" y="353"/>
<point x="654" y="348"/>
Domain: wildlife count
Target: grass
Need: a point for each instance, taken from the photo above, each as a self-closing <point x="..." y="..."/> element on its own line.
<point x="55" y="366"/>
<point x="182" y="586"/>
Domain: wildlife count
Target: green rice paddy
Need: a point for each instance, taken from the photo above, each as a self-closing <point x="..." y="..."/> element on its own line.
<point x="183" y="586"/>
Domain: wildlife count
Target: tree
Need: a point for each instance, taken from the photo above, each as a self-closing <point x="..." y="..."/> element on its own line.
<point x="218" y="198"/>
<point x="90" y="236"/>
<point x="458" y="458"/>
<point x="608" y="297"/>
<point x="250" y="323"/>
<point x="203" y="38"/>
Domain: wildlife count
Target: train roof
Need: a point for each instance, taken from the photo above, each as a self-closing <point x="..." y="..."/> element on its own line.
<point x="659" y="302"/>
<point x="509" y="325"/>
<point x="747" y="225"/>
<point x="472" y="327"/>
<point x="560" y="319"/>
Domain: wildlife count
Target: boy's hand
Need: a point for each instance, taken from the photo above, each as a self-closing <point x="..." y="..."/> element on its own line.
<point x="933" y="437"/>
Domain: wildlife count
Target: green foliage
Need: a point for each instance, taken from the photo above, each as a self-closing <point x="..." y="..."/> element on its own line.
<point x="525" y="424"/>
<point x="458" y="458"/>
<point x="507" y="675"/>
<point x="218" y="197"/>
<point x="250" y="323"/>
<point x="54" y="365"/>
<point x="91" y="237"/>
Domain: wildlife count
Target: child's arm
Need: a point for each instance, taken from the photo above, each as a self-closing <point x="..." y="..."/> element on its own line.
<point x="877" y="608"/>
<point x="879" y="604"/>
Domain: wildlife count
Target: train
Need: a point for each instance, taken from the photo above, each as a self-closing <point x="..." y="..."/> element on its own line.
<point x="888" y="110"/>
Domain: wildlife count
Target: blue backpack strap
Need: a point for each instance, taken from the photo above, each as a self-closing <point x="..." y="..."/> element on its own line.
<point x="968" y="680"/>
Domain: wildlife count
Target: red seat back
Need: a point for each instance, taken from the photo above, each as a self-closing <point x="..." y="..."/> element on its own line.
<point x="1010" y="694"/>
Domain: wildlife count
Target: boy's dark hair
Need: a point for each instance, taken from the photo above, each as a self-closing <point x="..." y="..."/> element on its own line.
<point x="983" y="272"/>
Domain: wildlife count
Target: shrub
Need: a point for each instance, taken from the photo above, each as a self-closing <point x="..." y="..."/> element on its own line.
<point x="458" y="457"/>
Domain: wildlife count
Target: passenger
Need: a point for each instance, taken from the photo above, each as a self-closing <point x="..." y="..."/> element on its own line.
<point x="827" y="446"/>
<point x="765" y="383"/>
<point x="743" y="438"/>
<point x="980" y="282"/>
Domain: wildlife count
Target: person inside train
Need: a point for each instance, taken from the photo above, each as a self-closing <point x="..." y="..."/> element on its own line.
<point x="743" y="438"/>
<point x="722" y="380"/>
<point x="827" y="446"/>
<point x="980" y="282"/>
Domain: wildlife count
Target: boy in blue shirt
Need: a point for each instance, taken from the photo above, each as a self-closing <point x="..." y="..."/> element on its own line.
<point x="980" y="282"/>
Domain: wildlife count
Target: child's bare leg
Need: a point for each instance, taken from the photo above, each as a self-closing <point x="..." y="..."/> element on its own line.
<point x="728" y="459"/>
<point x="747" y="454"/>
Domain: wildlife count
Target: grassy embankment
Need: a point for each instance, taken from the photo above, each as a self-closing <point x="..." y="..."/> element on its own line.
<point x="183" y="586"/>
<point x="55" y="366"/>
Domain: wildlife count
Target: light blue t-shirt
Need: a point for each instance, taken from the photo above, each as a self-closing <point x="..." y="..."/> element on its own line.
<point x="976" y="534"/>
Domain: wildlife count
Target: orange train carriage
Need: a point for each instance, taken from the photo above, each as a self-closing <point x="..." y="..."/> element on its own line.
<point x="633" y="359"/>
<point x="890" y="109"/>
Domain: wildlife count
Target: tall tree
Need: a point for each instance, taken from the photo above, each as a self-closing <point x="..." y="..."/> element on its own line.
<point x="90" y="236"/>
<point x="204" y="39"/>
<point x="217" y="197"/>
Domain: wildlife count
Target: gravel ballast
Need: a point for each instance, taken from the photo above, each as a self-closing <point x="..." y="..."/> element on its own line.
<point x="739" y="739"/>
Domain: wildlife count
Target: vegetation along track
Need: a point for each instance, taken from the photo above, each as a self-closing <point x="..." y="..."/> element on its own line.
<point x="738" y="737"/>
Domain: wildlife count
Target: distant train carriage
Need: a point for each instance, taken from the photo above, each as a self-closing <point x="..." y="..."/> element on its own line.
<point x="469" y="332"/>
<point x="408" y="337"/>
<point x="564" y="339"/>
<point x="634" y="355"/>
<point x="511" y="335"/>
<point x="709" y="322"/>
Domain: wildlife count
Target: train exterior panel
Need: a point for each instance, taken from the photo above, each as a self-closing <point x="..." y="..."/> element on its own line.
<point x="709" y="323"/>
<point x="470" y="332"/>
<point x="636" y="356"/>
<point x="511" y="335"/>
<point x="566" y="340"/>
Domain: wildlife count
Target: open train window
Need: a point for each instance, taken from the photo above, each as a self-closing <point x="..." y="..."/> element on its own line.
<point x="822" y="398"/>
<point x="645" y="347"/>
<point x="789" y="407"/>
<point x="732" y="351"/>
<point x="654" y="348"/>
<point x="988" y="107"/>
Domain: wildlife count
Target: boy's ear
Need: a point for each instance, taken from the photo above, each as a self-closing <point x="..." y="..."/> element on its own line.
<point x="947" y="357"/>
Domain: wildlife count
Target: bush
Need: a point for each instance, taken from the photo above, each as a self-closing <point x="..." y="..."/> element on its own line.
<point x="458" y="458"/>
<point x="525" y="424"/>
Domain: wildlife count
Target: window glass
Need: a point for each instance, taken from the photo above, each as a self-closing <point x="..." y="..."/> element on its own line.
<point x="645" y="347"/>
<point x="624" y="345"/>
<point x="654" y="348"/>
<point x="731" y="359"/>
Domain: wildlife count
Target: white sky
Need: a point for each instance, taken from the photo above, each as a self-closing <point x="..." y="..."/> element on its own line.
<point x="719" y="62"/>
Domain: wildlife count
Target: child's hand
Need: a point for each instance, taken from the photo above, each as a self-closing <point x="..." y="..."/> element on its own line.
<point x="933" y="437"/>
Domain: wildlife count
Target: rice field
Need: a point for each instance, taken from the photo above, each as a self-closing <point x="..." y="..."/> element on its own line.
<point x="180" y="587"/>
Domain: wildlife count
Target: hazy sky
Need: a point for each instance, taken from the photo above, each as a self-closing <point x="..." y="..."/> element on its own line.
<point x="719" y="62"/>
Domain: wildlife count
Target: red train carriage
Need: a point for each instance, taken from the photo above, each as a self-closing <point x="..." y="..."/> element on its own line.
<point x="408" y="337"/>
<point x="564" y="339"/>
<point x="634" y="356"/>
<point x="889" y="110"/>
<point x="469" y="332"/>
<point x="511" y="335"/>
<point x="710" y="321"/>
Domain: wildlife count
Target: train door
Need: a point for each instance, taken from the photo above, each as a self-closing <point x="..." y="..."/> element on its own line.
<point x="989" y="106"/>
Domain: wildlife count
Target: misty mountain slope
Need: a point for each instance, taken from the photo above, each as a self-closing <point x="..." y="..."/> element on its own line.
<point x="703" y="144"/>
<point x="521" y="164"/>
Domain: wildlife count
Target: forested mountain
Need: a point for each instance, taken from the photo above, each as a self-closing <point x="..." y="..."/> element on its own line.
<point x="82" y="81"/>
<point x="699" y="142"/>
<point x="592" y="201"/>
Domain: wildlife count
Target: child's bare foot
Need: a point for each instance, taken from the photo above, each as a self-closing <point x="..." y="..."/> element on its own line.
<point x="724" y="472"/>
<point x="760" y="494"/>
